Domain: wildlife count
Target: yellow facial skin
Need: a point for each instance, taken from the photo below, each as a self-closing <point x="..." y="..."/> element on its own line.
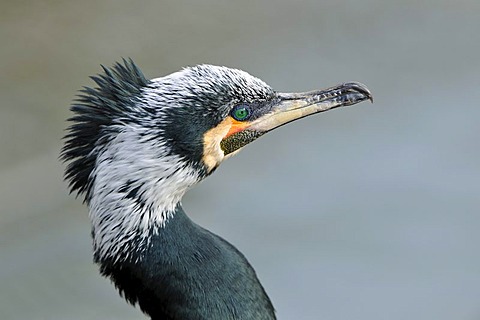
<point x="213" y="154"/>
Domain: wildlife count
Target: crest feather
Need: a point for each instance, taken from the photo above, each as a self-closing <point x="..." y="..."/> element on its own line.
<point x="95" y="110"/>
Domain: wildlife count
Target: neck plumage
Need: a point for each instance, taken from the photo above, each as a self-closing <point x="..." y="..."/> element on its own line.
<point x="187" y="272"/>
<point x="156" y="256"/>
<point x="136" y="188"/>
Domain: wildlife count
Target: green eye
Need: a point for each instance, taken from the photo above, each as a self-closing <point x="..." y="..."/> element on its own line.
<point x="241" y="113"/>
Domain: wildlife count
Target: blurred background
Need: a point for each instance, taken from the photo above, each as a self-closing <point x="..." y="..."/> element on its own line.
<point x="369" y="212"/>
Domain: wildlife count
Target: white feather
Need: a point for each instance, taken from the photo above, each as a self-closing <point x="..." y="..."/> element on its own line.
<point x="162" y="180"/>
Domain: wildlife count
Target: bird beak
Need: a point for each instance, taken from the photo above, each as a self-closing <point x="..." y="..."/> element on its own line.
<point x="287" y="107"/>
<point x="293" y="106"/>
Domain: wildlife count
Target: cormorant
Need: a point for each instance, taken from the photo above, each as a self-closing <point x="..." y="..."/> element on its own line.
<point x="135" y="146"/>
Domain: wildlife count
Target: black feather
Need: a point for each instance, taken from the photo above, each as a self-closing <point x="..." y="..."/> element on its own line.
<point x="95" y="110"/>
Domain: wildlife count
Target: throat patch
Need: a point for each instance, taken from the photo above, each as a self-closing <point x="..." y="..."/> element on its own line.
<point x="239" y="140"/>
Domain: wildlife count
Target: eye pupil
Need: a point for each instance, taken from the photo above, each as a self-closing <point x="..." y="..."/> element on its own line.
<point x="241" y="113"/>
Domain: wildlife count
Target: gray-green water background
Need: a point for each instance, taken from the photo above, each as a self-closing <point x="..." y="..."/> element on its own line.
<point x="369" y="212"/>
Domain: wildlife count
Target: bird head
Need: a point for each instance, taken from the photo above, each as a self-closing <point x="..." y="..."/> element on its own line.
<point x="135" y="145"/>
<point x="208" y="113"/>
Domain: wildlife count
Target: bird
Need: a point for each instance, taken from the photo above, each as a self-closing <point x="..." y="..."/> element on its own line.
<point x="134" y="146"/>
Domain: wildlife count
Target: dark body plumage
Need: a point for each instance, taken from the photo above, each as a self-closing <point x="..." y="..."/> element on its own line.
<point x="191" y="273"/>
<point x="135" y="146"/>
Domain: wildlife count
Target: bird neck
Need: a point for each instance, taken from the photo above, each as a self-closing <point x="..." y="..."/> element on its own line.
<point x="137" y="186"/>
<point x="187" y="272"/>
